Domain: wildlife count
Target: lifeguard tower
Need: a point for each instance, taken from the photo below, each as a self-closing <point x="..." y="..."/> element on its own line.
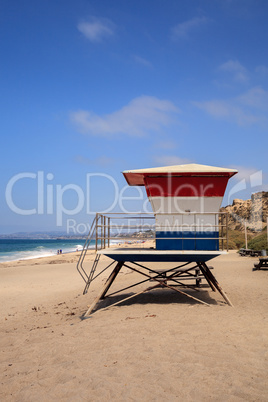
<point x="185" y="229"/>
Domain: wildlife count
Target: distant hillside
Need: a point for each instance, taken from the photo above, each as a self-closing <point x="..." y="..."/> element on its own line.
<point x="254" y="212"/>
<point x="259" y="242"/>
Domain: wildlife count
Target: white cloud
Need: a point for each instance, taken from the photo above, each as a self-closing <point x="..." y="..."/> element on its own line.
<point x="251" y="178"/>
<point x="216" y="108"/>
<point x="140" y="116"/>
<point x="227" y="110"/>
<point x="183" y="29"/>
<point x="247" y="108"/>
<point x="239" y="72"/>
<point x="244" y="172"/>
<point x="142" y="61"/>
<point x="256" y="98"/>
<point x="169" y="160"/>
<point x="262" y="70"/>
<point x="96" y="29"/>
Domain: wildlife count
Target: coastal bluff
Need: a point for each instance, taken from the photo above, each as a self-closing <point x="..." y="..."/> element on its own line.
<point x="253" y="211"/>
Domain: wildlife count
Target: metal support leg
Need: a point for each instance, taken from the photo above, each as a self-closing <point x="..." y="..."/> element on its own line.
<point x="92" y="272"/>
<point x="207" y="273"/>
<point x="208" y="279"/>
<point x="106" y="287"/>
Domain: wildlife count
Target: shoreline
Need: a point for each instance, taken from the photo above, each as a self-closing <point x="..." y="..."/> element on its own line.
<point x="80" y="248"/>
<point x="45" y="259"/>
<point x="37" y="258"/>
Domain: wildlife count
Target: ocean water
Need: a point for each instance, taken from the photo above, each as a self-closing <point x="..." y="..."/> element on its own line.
<point x="23" y="249"/>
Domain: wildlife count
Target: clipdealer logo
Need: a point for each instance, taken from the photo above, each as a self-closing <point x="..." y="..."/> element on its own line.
<point x="51" y="198"/>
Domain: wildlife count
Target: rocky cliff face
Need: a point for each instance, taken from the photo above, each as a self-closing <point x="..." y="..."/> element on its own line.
<point x="254" y="212"/>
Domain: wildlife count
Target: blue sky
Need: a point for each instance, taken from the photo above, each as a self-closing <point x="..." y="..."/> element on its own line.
<point x="98" y="87"/>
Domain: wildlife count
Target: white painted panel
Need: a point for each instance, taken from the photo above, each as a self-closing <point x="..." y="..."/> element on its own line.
<point x="173" y="205"/>
<point x="204" y="222"/>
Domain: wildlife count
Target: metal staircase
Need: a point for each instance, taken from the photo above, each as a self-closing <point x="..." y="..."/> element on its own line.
<point x="89" y="277"/>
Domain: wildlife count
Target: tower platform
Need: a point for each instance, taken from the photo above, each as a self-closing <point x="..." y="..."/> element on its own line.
<point x="188" y="273"/>
<point x="153" y="255"/>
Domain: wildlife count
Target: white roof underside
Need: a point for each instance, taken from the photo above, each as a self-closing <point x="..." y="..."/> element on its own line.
<point x="188" y="168"/>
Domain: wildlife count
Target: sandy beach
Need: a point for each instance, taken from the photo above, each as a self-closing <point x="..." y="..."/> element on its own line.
<point x="158" y="346"/>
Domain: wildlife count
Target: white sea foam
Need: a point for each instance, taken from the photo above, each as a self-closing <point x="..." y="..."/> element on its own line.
<point x="44" y="250"/>
<point x="26" y="255"/>
<point x="38" y="252"/>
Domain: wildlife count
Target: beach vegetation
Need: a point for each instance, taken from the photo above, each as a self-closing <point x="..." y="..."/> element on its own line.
<point x="259" y="242"/>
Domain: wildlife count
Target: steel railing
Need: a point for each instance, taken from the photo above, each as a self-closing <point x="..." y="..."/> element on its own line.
<point x="107" y="230"/>
<point x="119" y="227"/>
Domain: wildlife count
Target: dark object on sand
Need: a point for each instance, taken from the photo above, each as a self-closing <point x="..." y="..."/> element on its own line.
<point x="263" y="261"/>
